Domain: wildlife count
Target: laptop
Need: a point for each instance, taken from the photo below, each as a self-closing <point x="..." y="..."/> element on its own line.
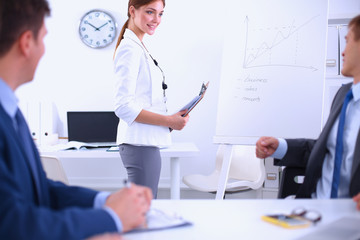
<point x="94" y="128"/>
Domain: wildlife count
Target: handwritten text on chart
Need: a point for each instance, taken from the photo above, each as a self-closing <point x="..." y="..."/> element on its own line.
<point x="249" y="88"/>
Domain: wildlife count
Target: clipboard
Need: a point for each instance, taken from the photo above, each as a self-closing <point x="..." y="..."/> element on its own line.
<point x="191" y="105"/>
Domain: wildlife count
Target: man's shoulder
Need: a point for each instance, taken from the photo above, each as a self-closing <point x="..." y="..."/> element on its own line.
<point x="346" y="87"/>
<point x="3" y="116"/>
<point x="340" y="95"/>
<point x="5" y="123"/>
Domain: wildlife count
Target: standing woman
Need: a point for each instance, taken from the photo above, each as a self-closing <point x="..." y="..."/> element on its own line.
<point x="140" y="101"/>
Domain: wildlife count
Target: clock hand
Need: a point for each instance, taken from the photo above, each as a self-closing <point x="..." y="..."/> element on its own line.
<point x="102" y="26"/>
<point x="96" y="29"/>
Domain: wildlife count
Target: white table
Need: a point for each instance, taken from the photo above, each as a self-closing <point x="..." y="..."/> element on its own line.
<point x="241" y="219"/>
<point x="174" y="152"/>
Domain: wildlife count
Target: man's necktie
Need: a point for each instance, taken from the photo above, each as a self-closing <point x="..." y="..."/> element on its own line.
<point x="26" y="140"/>
<point x="339" y="146"/>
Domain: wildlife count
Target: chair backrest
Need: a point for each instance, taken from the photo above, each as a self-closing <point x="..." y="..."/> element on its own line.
<point x="244" y="163"/>
<point x="291" y="180"/>
<point x="54" y="169"/>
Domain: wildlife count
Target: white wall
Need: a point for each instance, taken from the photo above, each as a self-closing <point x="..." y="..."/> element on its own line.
<point x="187" y="45"/>
<point x="342" y="9"/>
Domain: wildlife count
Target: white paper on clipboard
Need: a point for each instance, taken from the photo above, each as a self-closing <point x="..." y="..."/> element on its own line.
<point x="157" y="219"/>
<point x="190" y="106"/>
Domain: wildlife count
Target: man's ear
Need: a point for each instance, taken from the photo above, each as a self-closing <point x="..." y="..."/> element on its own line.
<point x="25" y="42"/>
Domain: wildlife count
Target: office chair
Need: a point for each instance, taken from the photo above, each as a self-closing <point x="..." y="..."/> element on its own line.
<point x="291" y="180"/>
<point x="246" y="172"/>
<point x="54" y="169"/>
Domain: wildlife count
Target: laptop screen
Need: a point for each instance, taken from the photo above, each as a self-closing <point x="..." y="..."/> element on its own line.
<point x="92" y="126"/>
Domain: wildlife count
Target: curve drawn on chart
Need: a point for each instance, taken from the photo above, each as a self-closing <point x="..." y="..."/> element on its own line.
<point x="266" y="47"/>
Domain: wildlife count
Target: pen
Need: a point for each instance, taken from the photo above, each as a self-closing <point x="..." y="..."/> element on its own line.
<point x="127" y="184"/>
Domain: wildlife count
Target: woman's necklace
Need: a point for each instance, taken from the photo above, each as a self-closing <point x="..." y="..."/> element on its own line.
<point x="164" y="86"/>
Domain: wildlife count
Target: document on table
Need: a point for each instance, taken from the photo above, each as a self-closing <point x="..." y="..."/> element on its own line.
<point x="116" y="148"/>
<point x="345" y="228"/>
<point x="113" y="149"/>
<point x="159" y="220"/>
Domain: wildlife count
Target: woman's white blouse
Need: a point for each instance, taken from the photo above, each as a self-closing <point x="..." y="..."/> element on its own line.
<point x="138" y="86"/>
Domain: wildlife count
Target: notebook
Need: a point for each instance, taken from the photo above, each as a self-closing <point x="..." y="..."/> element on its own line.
<point x="157" y="219"/>
<point x="94" y="128"/>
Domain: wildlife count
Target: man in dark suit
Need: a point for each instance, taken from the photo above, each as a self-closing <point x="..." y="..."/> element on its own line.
<point x="318" y="156"/>
<point x="32" y="206"/>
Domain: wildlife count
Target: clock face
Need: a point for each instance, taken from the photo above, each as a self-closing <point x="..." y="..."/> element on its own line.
<point x="97" y="29"/>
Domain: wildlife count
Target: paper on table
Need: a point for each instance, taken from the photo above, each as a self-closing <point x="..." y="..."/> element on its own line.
<point x="68" y="146"/>
<point x="113" y="149"/>
<point x="158" y="220"/>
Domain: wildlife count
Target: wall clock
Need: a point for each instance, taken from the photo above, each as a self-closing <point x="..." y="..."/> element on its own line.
<point x="97" y="29"/>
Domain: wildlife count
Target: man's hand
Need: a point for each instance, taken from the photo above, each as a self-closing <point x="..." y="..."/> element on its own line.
<point x="266" y="146"/>
<point x="131" y="205"/>
<point x="357" y="200"/>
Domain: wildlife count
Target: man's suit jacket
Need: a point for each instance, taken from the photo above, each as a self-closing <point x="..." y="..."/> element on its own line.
<point x="311" y="153"/>
<point x="62" y="212"/>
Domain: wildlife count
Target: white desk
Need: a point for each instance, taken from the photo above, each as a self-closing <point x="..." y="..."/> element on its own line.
<point x="175" y="152"/>
<point x="241" y="219"/>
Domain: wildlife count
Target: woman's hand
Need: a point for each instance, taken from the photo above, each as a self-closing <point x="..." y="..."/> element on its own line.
<point x="177" y="122"/>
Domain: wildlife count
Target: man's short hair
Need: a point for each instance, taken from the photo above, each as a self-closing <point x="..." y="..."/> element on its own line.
<point x="355" y="25"/>
<point x="18" y="16"/>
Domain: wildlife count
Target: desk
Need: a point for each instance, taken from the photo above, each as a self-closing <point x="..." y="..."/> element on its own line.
<point x="174" y="152"/>
<point x="241" y="219"/>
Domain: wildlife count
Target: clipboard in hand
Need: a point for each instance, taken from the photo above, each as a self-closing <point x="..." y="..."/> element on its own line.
<point x="191" y="105"/>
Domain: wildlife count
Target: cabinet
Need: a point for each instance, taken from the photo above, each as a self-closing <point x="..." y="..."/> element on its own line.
<point x="337" y="30"/>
